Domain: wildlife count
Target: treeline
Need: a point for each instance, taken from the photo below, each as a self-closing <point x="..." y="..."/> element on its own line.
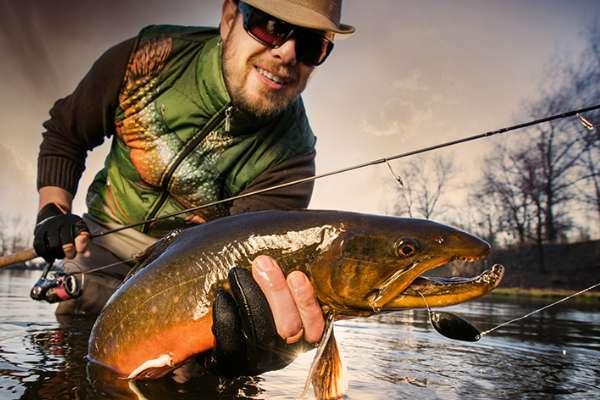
<point x="536" y="188"/>
<point x="15" y="234"/>
<point x="544" y="190"/>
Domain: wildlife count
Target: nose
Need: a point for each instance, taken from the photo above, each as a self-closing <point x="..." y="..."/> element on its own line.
<point x="286" y="52"/>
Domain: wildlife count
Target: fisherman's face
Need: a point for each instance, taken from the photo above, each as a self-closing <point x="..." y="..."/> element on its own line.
<point x="260" y="80"/>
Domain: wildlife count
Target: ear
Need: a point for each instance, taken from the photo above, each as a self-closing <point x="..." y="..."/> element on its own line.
<point x="229" y="12"/>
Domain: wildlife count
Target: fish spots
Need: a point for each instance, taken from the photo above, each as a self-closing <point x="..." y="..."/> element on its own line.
<point x="153" y="309"/>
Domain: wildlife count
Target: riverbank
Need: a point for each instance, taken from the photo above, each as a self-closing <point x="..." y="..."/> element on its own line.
<point x="546" y="293"/>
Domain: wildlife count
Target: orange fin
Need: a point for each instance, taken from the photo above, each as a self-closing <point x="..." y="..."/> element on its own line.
<point x="326" y="371"/>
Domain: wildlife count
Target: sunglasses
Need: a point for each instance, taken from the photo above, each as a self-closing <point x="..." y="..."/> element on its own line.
<point x="312" y="47"/>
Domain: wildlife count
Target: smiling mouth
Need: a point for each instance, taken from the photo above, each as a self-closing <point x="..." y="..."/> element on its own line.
<point x="276" y="79"/>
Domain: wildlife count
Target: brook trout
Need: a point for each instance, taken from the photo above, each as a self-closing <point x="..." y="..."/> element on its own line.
<point x="359" y="265"/>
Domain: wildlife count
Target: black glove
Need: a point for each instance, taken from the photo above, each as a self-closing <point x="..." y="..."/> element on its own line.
<point x="53" y="229"/>
<point x="247" y="339"/>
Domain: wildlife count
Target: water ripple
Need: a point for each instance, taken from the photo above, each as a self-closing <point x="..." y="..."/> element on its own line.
<point x="397" y="355"/>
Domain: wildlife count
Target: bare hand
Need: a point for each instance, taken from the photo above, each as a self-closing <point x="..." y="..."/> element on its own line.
<point x="293" y="302"/>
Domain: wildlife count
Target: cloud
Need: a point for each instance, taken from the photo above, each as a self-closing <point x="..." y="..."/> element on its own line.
<point x="391" y="129"/>
<point x="397" y="116"/>
<point x="410" y="110"/>
<point x="411" y="82"/>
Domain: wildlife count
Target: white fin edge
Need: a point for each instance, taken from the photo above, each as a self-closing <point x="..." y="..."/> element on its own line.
<point x="161" y="361"/>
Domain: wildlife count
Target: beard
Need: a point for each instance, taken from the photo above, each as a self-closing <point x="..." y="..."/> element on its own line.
<point x="263" y="103"/>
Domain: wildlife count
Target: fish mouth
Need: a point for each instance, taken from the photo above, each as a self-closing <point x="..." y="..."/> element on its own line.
<point x="424" y="292"/>
<point x="408" y="288"/>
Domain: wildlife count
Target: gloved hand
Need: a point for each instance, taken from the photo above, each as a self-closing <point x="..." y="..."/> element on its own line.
<point x="247" y="342"/>
<point x="55" y="229"/>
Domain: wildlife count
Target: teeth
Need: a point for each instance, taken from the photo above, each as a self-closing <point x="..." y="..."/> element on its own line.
<point x="269" y="75"/>
<point x="468" y="259"/>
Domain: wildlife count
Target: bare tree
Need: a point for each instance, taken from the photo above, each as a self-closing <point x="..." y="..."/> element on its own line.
<point x="14" y="235"/>
<point x="480" y="217"/>
<point x="589" y="193"/>
<point x="423" y="184"/>
<point x="503" y="186"/>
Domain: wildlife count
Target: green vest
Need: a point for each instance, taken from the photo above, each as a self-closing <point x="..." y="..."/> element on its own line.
<point x="179" y="140"/>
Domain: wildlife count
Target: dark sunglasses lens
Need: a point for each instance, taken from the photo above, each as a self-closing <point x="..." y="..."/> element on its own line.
<point x="265" y="28"/>
<point x="312" y="48"/>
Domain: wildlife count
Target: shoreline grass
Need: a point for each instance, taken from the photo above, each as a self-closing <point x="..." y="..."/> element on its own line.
<point x="550" y="293"/>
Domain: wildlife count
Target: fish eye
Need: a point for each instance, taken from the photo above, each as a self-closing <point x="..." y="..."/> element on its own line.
<point x="406" y="247"/>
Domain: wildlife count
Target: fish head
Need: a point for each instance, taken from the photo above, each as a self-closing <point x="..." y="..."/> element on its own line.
<point x="371" y="266"/>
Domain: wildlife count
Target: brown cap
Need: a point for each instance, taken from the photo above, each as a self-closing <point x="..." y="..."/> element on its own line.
<point x="323" y="15"/>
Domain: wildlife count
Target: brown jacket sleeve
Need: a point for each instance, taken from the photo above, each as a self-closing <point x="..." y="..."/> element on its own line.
<point x="289" y="198"/>
<point x="80" y="121"/>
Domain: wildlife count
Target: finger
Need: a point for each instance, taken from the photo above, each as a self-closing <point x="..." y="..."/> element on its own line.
<point x="69" y="250"/>
<point x="81" y="243"/>
<point x="303" y="293"/>
<point x="270" y="279"/>
<point x="195" y="219"/>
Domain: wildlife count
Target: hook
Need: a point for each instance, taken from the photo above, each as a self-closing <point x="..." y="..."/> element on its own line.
<point x="396" y="177"/>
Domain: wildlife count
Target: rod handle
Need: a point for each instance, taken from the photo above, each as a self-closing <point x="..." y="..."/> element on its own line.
<point x="19" y="256"/>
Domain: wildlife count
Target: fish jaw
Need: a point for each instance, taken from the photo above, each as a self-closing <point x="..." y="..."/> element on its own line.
<point x="442" y="292"/>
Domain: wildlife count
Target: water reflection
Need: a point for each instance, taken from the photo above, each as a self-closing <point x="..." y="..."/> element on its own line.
<point x="550" y="355"/>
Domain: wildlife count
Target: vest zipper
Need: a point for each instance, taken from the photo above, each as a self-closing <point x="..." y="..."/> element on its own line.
<point x="228" y="112"/>
<point x="223" y="116"/>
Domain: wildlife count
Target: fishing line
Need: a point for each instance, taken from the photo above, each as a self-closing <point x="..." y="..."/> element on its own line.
<point x="365" y="164"/>
<point x="454" y="327"/>
<point x="135" y="258"/>
<point x="541" y="309"/>
<point x="451" y="325"/>
<point x="91" y="271"/>
<point x="426" y="305"/>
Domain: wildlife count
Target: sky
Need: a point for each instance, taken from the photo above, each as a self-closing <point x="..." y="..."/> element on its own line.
<point x="414" y="74"/>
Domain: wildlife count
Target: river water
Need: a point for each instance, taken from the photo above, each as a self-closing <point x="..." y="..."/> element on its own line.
<point x="552" y="355"/>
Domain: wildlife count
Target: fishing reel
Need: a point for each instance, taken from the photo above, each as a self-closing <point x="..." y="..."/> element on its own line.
<point x="55" y="286"/>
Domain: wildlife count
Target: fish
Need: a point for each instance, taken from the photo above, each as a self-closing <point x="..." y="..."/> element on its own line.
<point x="359" y="265"/>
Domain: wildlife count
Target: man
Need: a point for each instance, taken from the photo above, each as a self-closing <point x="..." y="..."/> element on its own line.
<point x="196" y="115"/>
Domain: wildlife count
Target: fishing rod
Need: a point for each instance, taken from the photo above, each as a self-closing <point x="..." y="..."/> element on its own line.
<point x="29" y="254"/>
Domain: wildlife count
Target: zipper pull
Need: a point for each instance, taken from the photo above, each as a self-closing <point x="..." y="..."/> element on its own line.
<point x="228" y="113"/>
